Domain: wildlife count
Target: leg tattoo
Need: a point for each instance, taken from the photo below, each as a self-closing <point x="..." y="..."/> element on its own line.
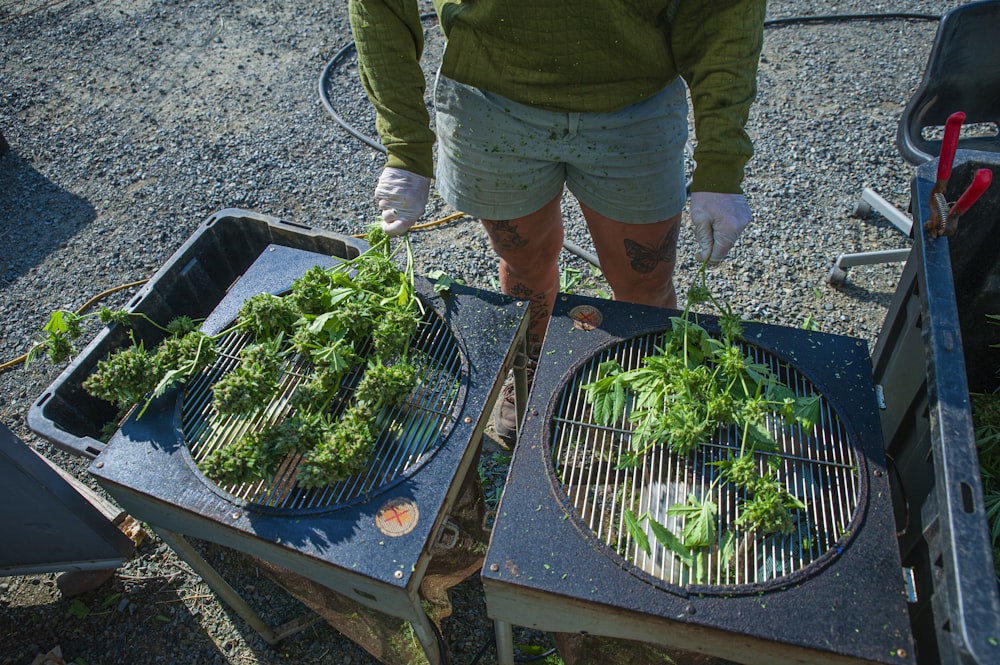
<point x="505" y="236"/>
<point x="644" y="258"/>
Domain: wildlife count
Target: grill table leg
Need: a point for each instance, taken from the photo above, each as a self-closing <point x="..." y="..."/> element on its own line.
<point x="217" y="584"/>
<point x="428" y="636"/>
<point x="520" y="372"/>
<point x="505" y="642"/>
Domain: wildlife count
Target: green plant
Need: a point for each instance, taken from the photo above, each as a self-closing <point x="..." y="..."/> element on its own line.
<point x="679" y="397"/>
<point x="359" y="315"/>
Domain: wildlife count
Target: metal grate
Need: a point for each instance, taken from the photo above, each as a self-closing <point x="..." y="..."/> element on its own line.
<point x="409" y="433"/>
<point x="818" y="467"/>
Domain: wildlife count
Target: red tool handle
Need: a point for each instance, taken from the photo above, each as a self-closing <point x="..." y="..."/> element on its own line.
<point x="980" y="183"/>
<point x="949" y="143"/>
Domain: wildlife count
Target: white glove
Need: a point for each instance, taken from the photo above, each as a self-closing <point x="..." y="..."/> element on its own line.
<point x="718" y="219"/>
<point x="402" y="197"/>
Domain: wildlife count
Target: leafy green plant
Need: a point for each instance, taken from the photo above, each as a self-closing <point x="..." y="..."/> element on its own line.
<point x="78" y="609"/>
<point x="680" y="397"/>
<point x="359" y="315"/>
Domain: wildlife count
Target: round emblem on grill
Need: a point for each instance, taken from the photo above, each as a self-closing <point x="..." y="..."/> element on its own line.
<point x="397" y="517"/>
<point x="586" y="317"/>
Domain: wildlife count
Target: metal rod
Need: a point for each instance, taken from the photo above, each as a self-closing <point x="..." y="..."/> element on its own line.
<point x="505" y="642"/>
<point x="896" y="217"/>
<point x="427" y="635"/>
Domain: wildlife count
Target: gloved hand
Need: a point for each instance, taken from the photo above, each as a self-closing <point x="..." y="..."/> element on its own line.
<point x="402" y="197"/>
<point x="718" y="219"/>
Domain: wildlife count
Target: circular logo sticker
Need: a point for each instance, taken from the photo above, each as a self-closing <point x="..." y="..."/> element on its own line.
<point x="586" y="317"/>
<point x="397" y="517"/>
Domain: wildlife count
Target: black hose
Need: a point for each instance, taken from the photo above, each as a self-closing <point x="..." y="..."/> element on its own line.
<point x="348" y="127"/>
<point x="331" y="66"/>
<point x="846" y="18"/>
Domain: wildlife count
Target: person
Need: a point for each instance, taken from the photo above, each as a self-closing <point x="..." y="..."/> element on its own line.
<point x="534" y="96"/>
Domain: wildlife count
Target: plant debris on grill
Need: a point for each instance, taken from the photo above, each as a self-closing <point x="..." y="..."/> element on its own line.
<point x="680" y="397"/>
<point x="360" y="314"/>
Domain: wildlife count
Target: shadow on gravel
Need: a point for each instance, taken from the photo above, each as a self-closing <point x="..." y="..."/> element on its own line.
<point x="36" y="216"/>
<point x="862" y="294"/>
<point x="106" y="626"/>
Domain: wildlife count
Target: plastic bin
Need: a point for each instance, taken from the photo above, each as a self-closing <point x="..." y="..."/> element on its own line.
<point x="933" y="350"/>
<point x="192" y="282"/>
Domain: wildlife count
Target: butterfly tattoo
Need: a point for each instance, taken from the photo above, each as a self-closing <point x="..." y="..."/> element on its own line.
<point x="644" y="258"/>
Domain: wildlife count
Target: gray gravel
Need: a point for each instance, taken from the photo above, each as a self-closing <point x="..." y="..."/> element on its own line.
<point x="131" y="121"/>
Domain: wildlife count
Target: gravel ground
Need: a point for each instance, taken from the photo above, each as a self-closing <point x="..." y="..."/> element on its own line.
<point x="130" y="121"/>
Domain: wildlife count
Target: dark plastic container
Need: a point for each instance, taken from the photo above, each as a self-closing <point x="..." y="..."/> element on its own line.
<point x="191" y="283"/>
<point x="933" y="350"/>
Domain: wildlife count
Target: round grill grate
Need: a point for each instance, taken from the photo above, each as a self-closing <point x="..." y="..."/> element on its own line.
<point x="817" y="467"/>
<point x="411" y="433"/>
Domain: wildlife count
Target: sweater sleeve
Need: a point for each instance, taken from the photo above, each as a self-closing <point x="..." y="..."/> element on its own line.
<point x="389" y="40"/>
<point x="717" y="46"/>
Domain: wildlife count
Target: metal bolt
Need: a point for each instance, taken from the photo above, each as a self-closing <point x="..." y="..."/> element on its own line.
<point x="878" y="473"/>
<point x="494" y="568"/>
<point x="398" y="574"/>
<point x="237" y="515"/>
<point x="100" y="465"/>
<point x="690" y="609"/>
<point x="519" y="303"/>
<point x="467" y="420"/>
<point x="901" y="653"/>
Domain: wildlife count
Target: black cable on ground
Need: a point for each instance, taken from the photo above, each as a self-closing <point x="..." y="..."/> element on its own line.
<point x="330" y="67"/>
<point x="847" y="18"/>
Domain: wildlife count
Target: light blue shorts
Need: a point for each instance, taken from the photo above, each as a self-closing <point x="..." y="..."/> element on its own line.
<point x="499" y="160"/>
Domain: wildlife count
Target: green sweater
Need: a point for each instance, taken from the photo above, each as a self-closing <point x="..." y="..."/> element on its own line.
<point x="570" y="55"/>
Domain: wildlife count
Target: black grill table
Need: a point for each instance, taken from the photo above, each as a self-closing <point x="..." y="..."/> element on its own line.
<point x="369" y="537"/>
<point x="561" y="561"/>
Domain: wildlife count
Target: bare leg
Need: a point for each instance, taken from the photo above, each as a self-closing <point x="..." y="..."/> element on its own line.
<point x="529" y="248"/>
<point x="637" y="259"/>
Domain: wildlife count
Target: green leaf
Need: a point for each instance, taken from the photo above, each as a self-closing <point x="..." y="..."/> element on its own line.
<point x="37" y="349"/>
<point x="78" y="609"/>
<point x="760" y="374"/>
<point x="700" y="567"/>
<point x="110" y="600"/>
<point x="728" y="548"/>
<point x="759" y="438"/>
<point x="699" y="521"/>
<point x="670" y="541"/>
<point x="57" y="322"/>
<point x="635" y="531"/>
<point x="607" y="394"/>
<point x="442" y="281"/>
<point x="806" y="410"/>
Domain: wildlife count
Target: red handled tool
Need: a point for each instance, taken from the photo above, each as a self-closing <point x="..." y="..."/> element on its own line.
<point x="980" y="183"/>
<point x="937" y="224"/>
<point x="944" y="217"/>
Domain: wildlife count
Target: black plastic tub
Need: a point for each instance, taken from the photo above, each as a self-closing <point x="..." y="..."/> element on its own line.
<point x="191" y="283"/>
<point x="934" y="348"/>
